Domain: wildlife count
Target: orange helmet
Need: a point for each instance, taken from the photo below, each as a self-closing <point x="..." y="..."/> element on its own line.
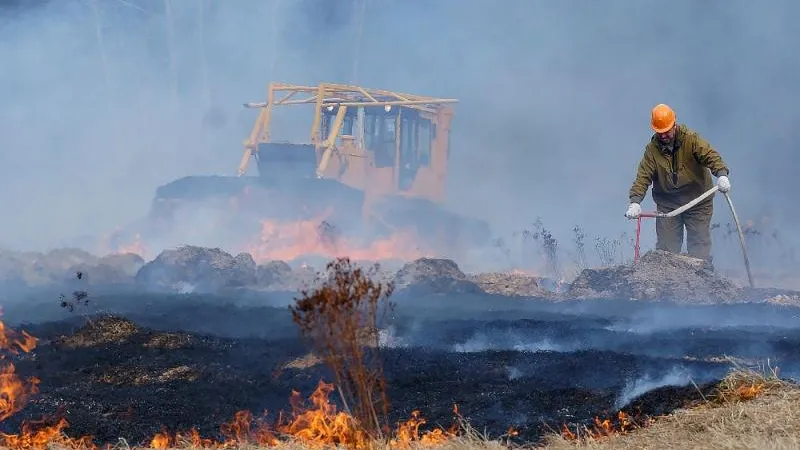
<point x="662" y="118"/>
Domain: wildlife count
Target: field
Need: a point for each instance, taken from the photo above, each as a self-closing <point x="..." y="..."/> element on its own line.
<point x="152" y="363"/>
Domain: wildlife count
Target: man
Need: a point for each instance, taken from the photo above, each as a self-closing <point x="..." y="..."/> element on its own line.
<point x="679" y="163"/>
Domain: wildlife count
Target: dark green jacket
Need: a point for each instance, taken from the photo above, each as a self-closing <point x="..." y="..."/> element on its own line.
<point x="680" y="175"/>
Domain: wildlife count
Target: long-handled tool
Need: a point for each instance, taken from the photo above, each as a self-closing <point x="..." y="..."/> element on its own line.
<point x="683" y="208"/>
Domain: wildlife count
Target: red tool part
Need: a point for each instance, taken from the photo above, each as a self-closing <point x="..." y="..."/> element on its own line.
<point x="639" y="232"/>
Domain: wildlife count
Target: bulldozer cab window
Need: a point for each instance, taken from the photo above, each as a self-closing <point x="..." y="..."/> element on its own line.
<point x="408" y="137"/>
<point x="329" y="118"/>
<point x="424" y="139"/>
<point x="380" y="135"/>
<point x="347" y="125"/>
<point x="409" y="147"/>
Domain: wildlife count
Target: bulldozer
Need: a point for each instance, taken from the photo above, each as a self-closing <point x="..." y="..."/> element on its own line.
<point x="375" y="162"/>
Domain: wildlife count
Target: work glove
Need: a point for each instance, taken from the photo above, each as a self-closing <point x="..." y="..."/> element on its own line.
<point x="633" y="211"/>
<point x="724" y="184"/>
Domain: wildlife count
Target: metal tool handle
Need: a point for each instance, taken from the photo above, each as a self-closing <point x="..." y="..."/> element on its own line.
<point x="683" y="208"/>
<point x="741" y="240"/>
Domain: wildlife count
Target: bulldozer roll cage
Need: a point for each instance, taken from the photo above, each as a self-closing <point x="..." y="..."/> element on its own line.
<point x="334" y="105"/>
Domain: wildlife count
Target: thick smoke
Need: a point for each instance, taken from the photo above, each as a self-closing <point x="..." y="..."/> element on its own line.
<point x="104" y="100"/>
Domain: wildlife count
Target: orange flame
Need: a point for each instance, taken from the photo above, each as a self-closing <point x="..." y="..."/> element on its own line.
<point x="136" y="247"/>
<point x="114" y="243"/>
<point x="318" y="426"/>
<point x="12" y="342"/>
<point x="163" y="440"/>
<point x="623" y="424"/>
<point x="408" y="433"/>
<point x="39" y="435"/>
<point x="321" y="425"/>
<point x="14" y="394"/>
<point x="289" y="240"/>
<point x="749" y="392"/>
<point x="241" y="431"/>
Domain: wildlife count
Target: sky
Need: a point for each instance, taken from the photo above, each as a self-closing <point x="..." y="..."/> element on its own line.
<point x="102" y="101"/>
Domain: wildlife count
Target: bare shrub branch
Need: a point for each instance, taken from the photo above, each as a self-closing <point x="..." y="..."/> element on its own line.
<point x="341" y="317"/>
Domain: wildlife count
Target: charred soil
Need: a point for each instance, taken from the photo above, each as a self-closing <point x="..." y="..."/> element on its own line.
<point x="114" y="377"/>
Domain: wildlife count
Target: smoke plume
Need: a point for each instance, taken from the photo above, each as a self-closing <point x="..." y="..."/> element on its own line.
<point x="104" y="100"/>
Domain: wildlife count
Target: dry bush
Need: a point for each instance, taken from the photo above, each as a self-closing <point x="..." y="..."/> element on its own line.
<point x="743" y="384"/>
<point x="579" y="239"/>
<point x="549" y="245"/>
<point x="342" y="319"/>
<point x="607" y="250"/>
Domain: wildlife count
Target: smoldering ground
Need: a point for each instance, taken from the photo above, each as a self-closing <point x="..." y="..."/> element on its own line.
<point x="106" y="100"/>
<point x="503" y="361"/>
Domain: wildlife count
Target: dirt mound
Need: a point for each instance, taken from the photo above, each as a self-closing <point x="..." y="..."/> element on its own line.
<point x="510" y="284"/>
<point x="100" y="274"/>
<point x="197" y="269"/>
<point x="105" y="330"/>
<point x="434" y="275"/>
<point x="125" y="263"/>
<point x="784" y="300"/>
<point x="41" y="269"/>
<point x="61" y="265"/>
<point x="273" y="273"/>
<point x="659" y="275"/>
<point x="280" y="276"/>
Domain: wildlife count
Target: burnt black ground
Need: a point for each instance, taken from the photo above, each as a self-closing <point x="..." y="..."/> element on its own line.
<point x="504" y="361"/>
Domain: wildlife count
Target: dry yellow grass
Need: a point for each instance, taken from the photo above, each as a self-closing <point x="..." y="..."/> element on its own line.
<point x="751" y="410"/>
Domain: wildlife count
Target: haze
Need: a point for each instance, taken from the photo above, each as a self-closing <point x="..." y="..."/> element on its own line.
<point x="552" y="120"/>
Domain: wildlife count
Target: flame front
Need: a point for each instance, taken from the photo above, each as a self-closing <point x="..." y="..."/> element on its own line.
<point x="118" y="243"/>
<point x="321" y="425"/>
<point x="622" y="424"/>
<point x="14" y="394"/>
<point x="318" y="426"/>
<point x="408" y="433"/>
<point x="245" y="429"/>
<point x="136" y="247"/>
<point x="41" y="434"/>
<point x="287" y="241"/>
<point x="163" y="440"/>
